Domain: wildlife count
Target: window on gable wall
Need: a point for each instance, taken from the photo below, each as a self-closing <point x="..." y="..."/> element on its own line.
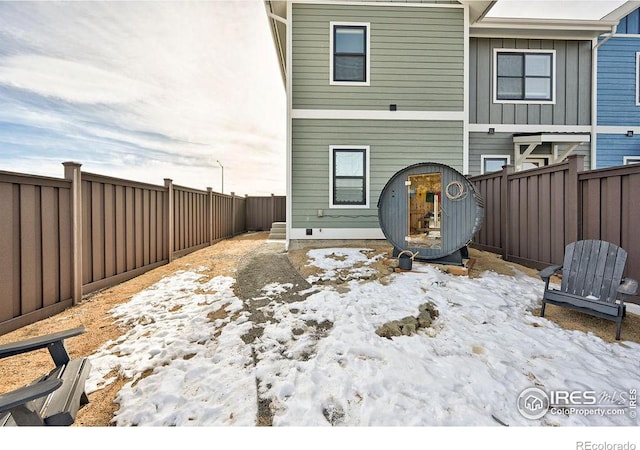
<point x="524" y="76"/>
<point x="350" y="53"/>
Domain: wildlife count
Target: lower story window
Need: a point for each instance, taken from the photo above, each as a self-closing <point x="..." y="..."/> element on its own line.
<point x="349" y="176"/>
<point x="631" y="160"/>
<point x="494" y="163"/>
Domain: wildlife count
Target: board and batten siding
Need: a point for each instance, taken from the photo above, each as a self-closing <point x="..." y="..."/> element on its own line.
<point x="393" y="145"/>
<point x="417" y="58"/>
<point x="502" y="144"/>
<point x="617" y="82"/>
<point x="573" y="84"/>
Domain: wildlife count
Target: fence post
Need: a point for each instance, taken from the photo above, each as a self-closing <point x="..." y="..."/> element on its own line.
<point x="233" y="214"/>
<point x="273" y="209"/>
<point x="507" y="170"/>
<point x="246" y="213"/>
<point x="168" y="183"/>
<point x="72" y="173"/>
<point x="210" y="214"/>
<point x="573" y="224"/>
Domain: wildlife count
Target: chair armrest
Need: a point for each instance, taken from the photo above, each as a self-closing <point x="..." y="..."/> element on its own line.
<point x="25" y="394"/>
<point x="546" y="273"/>
<point x="629" y="286"/>
<point x="27" y="345"/>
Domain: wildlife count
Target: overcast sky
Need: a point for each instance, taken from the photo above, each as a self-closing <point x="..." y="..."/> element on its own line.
<point x="566" y="9"/>
<point x="145" y="91"/>
<point x="153" y="90"/>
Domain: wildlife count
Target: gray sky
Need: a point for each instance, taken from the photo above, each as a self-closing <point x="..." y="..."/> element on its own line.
<point x="143" y="90"/>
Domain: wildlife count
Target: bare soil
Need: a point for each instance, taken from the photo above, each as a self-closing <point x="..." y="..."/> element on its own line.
<point x="223" y="258"/>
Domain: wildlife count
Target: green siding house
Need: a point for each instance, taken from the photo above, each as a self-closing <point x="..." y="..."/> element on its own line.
<point x="376" y="86"/>
<point x="371" y="88"/>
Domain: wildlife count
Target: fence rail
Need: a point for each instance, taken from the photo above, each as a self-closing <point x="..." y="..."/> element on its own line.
<point x="62" y="238"/>
<point x="532" y="215"/>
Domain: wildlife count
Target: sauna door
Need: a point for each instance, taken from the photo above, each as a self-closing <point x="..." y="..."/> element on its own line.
<point x="425" y="211"/>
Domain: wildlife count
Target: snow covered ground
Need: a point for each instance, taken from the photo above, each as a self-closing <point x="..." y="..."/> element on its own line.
<point x="319" y="362"/>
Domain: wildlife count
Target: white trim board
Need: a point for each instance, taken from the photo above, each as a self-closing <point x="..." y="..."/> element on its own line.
<point x="356" y="114"/>
<point x="289" y="90"/>
<point x="374" y="3"/>
<point x="631" y="160"/>
<point x="617" y="129"/>
<point x="337" y="233"/>
<point x="637" y="75"/>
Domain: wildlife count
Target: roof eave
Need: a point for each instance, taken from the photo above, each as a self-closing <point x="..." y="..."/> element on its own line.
<point x="276" y="14"/>
<point x="541" y="28"/>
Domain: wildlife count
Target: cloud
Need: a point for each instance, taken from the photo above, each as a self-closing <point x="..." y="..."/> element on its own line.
<point x="70" y="81"/>
<point x="146" y="89"/>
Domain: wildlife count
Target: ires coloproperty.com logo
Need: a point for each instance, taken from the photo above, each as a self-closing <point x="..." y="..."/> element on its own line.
<point x="534" y="403"/>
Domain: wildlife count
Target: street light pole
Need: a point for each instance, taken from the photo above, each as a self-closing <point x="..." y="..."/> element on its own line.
<point x="222" y="167"/>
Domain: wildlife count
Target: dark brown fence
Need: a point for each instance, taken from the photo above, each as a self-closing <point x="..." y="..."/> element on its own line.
<point x="62" y="238"/>
<point x="532" y="215"/>
<point x="35" y="248"/>
<point x="263" y="211"/>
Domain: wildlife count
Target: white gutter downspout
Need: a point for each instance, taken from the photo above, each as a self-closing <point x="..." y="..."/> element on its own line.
<point x="594" y="95"/>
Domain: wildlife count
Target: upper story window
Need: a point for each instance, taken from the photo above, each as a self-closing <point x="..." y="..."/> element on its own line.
<point x="524" y="76"/>
<point x="349" y="53"/>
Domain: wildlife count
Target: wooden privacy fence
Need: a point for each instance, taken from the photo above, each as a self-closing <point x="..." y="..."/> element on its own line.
<point x="530" y="216"/>
<point x="263" y="211"/>
<point x="62" y="238"/>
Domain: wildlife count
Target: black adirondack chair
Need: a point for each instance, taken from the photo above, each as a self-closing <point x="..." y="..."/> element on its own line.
<point x="592" y="281"/>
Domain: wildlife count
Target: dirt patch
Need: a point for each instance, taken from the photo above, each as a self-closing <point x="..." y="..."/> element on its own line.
<point x="93" y="313"/>
<point x="299" y="260"/>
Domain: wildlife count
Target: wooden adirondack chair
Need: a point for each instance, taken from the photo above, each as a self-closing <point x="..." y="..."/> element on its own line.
<point x="592" y="281"/>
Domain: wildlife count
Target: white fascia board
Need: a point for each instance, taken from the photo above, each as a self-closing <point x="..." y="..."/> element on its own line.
<point x="557" y="138"/>
<point x="337" y="233"/>
<point x="526" y="128"/>
<point x="396" y="3"/>
<point x="344" y="114"/>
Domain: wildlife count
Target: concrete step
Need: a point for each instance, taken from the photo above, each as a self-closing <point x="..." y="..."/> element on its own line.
<point x="278" y="230"/>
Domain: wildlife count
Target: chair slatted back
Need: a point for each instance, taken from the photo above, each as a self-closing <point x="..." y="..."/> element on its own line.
<point x="593" y="268"/>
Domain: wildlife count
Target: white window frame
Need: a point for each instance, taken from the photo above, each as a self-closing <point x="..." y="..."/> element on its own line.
<point x="367" y="175"/>
<point x="630" y="160"/>
<point x="484" y="157"/>
<point x="637" y="78"/>
<point x="367" y="82"/>
<point x="521" y="50"/>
